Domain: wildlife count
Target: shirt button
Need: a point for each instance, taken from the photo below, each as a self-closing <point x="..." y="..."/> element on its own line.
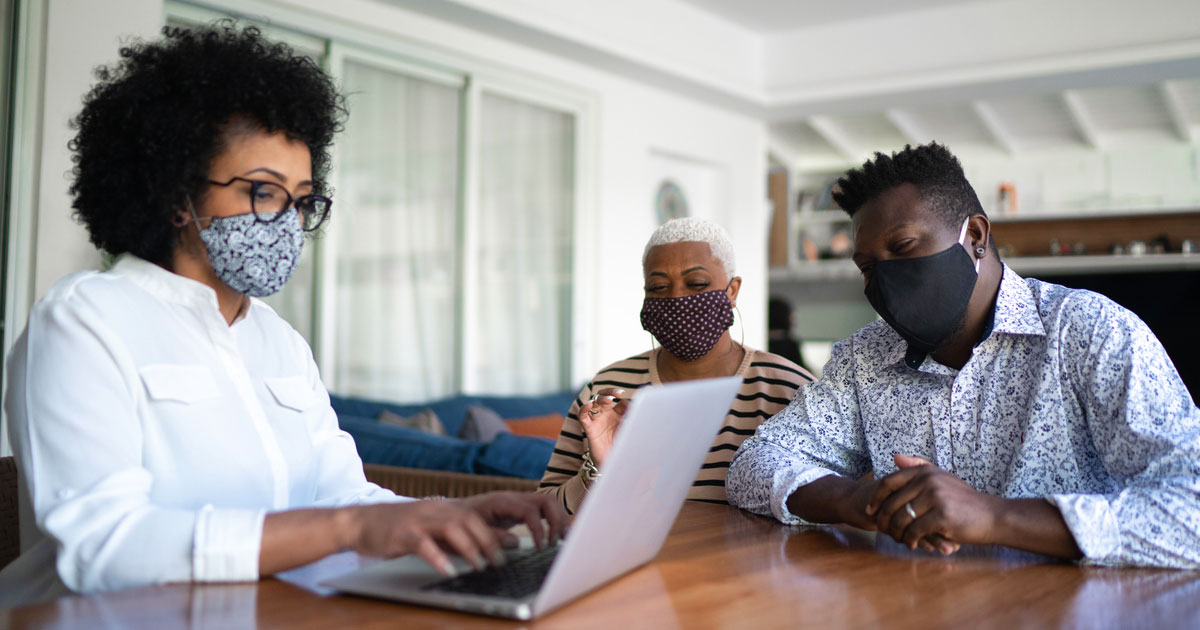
<point x="963" y="450"/>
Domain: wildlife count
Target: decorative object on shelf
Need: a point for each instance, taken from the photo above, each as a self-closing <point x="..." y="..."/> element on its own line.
<point x="1160" y="244"/>
<point x="1059" y="248"/>
<point x="1137" y="248"/>
<point x="840" y="245"/>
<point x="670" y="202"/>
<point x="824" y="198"/>
<point x="809" y="248"/>
<point x="1006" y="198"/>
<point x="1188" y="246"/>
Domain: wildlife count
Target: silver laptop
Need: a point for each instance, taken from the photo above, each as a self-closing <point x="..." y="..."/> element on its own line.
<point x="663" y="439"/>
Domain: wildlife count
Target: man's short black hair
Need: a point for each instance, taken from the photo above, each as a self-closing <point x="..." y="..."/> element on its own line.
<point x="151" y="127"/>
<point x="931" y="167"/>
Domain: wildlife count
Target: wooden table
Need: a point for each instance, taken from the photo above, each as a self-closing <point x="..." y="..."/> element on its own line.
<point x="720" y="568"/>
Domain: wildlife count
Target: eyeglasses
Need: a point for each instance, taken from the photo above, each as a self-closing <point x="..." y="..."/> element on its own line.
<point x="268" y="201"/>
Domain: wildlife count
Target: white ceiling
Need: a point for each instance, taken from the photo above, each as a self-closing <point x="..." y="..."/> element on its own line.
<point x="773" y="16"/>
<point x="1111" y="109"/>
<point x="838" y="79"/>
<point x="1094" y="119"/>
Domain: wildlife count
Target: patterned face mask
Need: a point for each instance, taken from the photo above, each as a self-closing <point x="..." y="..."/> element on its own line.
<point x="252" y="257"/>
<point x="688" y="327"/>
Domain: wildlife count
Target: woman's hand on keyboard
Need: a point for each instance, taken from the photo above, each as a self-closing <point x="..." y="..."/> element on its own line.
<point x="430" y="529"/>
<point x="502" y="510"/>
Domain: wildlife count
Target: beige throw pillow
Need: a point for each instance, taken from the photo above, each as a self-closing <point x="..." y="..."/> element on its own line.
<point x="425" y="420"/>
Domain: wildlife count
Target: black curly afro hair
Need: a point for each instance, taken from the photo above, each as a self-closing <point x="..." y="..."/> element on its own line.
<point x="152" y="125"/>
<point x="931" y="167"/>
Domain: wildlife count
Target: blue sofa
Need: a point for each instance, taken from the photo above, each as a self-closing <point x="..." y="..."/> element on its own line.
<point x="506" y="456"/>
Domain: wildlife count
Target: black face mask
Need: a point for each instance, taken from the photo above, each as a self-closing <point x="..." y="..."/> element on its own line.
<point x="924" y="299"/>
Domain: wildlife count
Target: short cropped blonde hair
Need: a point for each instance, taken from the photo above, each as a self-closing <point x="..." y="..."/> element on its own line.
<point x="691" y="229"/>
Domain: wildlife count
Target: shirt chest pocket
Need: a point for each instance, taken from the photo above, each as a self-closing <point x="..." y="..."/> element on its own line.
<point x="292" y="392"/>
<point x="185" y="384"/>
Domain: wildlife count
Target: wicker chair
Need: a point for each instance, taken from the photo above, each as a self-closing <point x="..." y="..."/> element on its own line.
<point x="10" y="528"/>
<point x="415" y="482"/>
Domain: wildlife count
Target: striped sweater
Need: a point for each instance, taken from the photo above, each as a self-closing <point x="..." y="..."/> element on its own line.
<point x="768" y="383"/>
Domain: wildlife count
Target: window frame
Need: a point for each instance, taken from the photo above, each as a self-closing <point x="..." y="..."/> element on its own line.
<point x="24" y="151"/>
<point x="376" y="45"/>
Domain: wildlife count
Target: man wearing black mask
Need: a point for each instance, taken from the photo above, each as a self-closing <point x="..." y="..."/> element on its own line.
<point x="991" y="409"/>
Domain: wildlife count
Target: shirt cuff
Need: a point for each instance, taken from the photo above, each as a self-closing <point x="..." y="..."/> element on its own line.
<point x="1091" y="521"/>
<point x="226" y="545"/>
<point x="785" y="484"/>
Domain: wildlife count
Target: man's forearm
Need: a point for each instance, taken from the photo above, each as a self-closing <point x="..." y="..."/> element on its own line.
<point x="1034" y="525"/>
<point x="824" y="500"/>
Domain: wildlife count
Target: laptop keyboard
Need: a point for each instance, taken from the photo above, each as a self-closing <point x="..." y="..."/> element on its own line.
<point x="522" y="575"/>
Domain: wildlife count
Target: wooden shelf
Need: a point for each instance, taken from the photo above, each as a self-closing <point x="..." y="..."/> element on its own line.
<point x="816" y="271"/>
<point x="1078" y="265"/>
<point x="1028" y="236"/>
<point x="1095" y="213"/>
<point x="1032" y="237"/>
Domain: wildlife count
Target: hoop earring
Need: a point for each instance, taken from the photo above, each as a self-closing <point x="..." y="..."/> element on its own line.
<point x="741" y="325"/>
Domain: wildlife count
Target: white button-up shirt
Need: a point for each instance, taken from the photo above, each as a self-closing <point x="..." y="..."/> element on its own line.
<point x="152" y="437"/>
<point x="1070" y="398"/>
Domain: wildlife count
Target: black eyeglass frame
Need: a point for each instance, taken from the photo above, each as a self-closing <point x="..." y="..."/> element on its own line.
<point x="297" y="202"/>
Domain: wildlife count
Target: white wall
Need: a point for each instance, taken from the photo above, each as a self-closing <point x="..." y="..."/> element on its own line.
<point x="635" y="122"/>
<point x="64" y="40"/>
<point x="668" y="35"/>
<point x="1159" y="175"/>
<point x="79" y="35"/>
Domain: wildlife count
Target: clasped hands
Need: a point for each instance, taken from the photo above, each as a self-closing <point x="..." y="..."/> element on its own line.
<point x="923" y="506"/>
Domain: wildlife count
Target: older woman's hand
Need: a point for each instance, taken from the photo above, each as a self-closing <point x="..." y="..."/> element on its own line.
<point x="600" y="417"/>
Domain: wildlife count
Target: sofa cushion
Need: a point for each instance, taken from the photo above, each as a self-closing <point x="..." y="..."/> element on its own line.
<point x="525" y="406"/>
<point x="380" y="443"/>
<point x="514" y="456"/>
<point x="481" y="425"/>
<point x="425" y="421"/>
<point x="451" y="411"/>
<point x="547" y="426"/>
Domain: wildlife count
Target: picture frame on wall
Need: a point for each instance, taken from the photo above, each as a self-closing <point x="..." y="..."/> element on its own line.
<point x="684" y="187"/>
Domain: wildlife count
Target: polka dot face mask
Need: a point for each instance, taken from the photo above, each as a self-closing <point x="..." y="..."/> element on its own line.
<point x="688" y="327"/>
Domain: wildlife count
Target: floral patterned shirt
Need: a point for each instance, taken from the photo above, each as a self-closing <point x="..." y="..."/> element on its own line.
<point x="1070" y="397"/>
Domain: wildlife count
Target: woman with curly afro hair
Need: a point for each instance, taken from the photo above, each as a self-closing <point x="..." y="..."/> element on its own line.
<point x="167" y="425"/>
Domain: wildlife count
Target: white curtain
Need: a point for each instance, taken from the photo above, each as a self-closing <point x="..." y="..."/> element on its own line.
<point x="397" y="234"/>
<point x="295" y="302"/>
<point x="521" y="316"/>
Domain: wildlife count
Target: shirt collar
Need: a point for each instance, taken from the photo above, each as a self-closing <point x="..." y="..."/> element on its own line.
<point x="1015" y="314"/>
<point x="170" y="286"/>
<point x="1016" y="310"/>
